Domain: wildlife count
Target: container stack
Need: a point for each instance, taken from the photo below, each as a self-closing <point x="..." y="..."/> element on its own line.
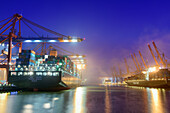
<point x="26" y="57"/>
<point x="29" y="61"/>
<point x="53" y="53"/>
<point x="75" y="69"/>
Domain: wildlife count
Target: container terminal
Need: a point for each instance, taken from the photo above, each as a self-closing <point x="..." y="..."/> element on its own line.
<point x="47" y="67"/>
<point x="157" y="76"/>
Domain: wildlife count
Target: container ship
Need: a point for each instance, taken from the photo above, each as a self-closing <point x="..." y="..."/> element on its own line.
<point x="157" y="76"/>
<point x="153" y="77"/>
<point x="44" y="72"/>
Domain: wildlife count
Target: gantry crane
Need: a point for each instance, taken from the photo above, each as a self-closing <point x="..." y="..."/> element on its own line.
<point x="12" y="21"/>
<point x="153" y="55"/>
<point x="127" y="67"/>
<point x="135" y="63"/>
<point x="162" y="62"/>
<point x="12" y="36"/>
<point x="143" y="60"/>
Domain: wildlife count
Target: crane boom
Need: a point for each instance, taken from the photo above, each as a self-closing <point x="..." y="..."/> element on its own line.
<point x="162" y="62"/>
<point x="135" y="62"/>
<point x="143" y="60"/>
<point x="127" y="67"/>
<point x="153" y="55"/>
<point x="115" y="72"/>
<point x="120" y="71"/>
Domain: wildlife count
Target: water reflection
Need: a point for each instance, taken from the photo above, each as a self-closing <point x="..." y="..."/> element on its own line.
<point x="107" y="101"/>
<point x="155" y="99"/>
<point x="80" y="100"/>
<point x="88" y="100"/>
<point x="28" y="108"/>
<point x="3" y="102"/>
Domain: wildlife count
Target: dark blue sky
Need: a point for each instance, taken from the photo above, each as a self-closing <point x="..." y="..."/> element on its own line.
<point x="113" y="29"/>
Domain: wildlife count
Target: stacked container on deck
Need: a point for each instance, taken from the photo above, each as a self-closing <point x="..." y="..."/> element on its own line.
<point x="26" y="57"/>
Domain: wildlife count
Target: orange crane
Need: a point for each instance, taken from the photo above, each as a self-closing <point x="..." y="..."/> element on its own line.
<point x="135" y="63"/>
<point x="114" y="71"/>
<point x="143" y="60"/>
<point x="162" y="62"/>
<point x="127" y="67"/>
<point x="153" y="55"/>
<point x="11" y="25"/>
<point x="120" y="71"/>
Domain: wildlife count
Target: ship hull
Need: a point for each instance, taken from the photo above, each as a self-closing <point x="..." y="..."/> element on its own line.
<point x="151" y="83"/>
<point x="43" y="83"/>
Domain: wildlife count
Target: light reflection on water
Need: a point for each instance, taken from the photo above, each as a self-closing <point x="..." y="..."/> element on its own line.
<point x="3" y="102"/>
<point x="88" y="100"/>
<point x="107" y="101"/>
<point x="155" y="96"/>
<point x="79" y="100"/>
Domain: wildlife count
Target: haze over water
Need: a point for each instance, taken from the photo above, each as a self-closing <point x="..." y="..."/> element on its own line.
<point x="89" y="99"/>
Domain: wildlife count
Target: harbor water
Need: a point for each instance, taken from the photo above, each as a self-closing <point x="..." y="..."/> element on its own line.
<point x="88" y="99"/>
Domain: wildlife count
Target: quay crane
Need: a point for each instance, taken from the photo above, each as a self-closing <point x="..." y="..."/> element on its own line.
<point x="161" y="60"/>
<point x="10" y="24"/>
<point x="143" y="60"/>
<point x="135" y="63"/>
<point x="127" y="67"/>
<point x="19" y="39"/>
<point x="153" y="55"/>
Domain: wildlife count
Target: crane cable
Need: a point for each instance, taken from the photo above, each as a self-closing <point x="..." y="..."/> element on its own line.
<point x="31" y="28"/>
<point x="3" y="60"/>
<point x="6" y="19"/>
<point x="58" y="50"/>
<point x="63" y="49"/>
<point x="45" y="29"/>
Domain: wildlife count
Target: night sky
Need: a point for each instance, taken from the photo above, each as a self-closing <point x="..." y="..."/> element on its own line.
<point x="113" y="29"/>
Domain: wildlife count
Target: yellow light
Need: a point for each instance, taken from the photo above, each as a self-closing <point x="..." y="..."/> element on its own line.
<point x="152" y="69"/>
<point x="156" y="100"/>
<point x="80" y="56"/>
<point x="79" y="66"/>
<point x="65" y="40"/>
<point x="144" y="72"/>
<point x="79" y="100"/>
<point x="3" y="101"/>
<point x="74" y="40"/>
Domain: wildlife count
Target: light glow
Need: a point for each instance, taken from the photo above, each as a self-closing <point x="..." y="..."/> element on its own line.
<point x="80" y="56"/>
<point x="79" y="100"/>
<point x="52" y="41"/>
<point x="37" y="41"/>
<point x="79" y="66"/>
<point x="47" y="105"/>
<point x="74" y="40"/>
<point x="27" y="41"/>
<point x="65" y="40"/>
<point x="152" y="69"/>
